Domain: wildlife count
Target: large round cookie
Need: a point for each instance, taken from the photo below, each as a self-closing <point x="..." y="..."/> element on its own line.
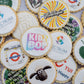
<point x="73" y="28"/>
<point x="41" y="71"/>
<point x="36" y="42"/>
<point x="78" y="77"/>
<point x="65" y="70"/>
<point x="34" y="5"/>
<point x="8" y="20"/>
<point x="78" y="50"/>
<point x="75" y="5"/>
<point x="15" y="4"/>
<point x="11" y="55"/>
<point x="54" y="14"/>
<point x="25" y="21"/>
<point x="14" y="77"/>
<point x="61" y="48"/>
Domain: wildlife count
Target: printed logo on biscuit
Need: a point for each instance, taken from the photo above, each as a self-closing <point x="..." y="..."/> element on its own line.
<point x="35" y="3"/>
<point x="36" y="41"/>
<point x="40" y="74"/>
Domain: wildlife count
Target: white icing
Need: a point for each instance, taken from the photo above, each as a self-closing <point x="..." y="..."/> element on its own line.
<point x="79" y="79"/>
<point x="8" y="20"/>
<point x="41" y="63"/>
<point x="74" y="6"/>
<point x="38" y="50"/>
<point x="60" y="52"/>
<point x="78" y="45"/>
<point x="26" y="20"/>
<point x="15" y="4"/>
<point x="66" y="71"/>
<point x="34" y="9"/>
<point x="14" y="65"/>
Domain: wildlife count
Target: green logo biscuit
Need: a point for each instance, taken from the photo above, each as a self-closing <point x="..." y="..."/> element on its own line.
<point x="6" y="2"/>
<point x="81" y="51"/>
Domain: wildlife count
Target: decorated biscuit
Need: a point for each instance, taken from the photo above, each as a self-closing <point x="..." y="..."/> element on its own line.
<point x="73" y="28"/>
<point x="78" y="50"/>
<point x="78" y="77"/>
<point x="25" y="21"/>
<point x="11" y="55"/>
<point x="65" y="70"/>
<point x="75" y="5"/>
<point x="34" y="5"/>
<point x="8" y="20"/>
<point x="54" y="14"/>
<point x="41" y="71"/>
<point x="15" y="4"/>
<point x="14" y="77"/>
<point x="61" y="48"/>
<point x="36" y="42"/>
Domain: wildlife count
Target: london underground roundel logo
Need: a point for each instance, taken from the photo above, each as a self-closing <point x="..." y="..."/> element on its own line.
<point x="14" y="56"/>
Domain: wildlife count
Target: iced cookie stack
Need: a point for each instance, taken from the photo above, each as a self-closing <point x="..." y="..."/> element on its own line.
<point x="46" y="42"/>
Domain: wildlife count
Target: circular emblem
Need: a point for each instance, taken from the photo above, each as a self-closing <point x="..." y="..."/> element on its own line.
<point x="60" y="40"/>
<point x="14" y="56"/>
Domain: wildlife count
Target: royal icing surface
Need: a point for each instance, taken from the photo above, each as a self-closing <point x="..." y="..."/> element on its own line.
<point x="34" y="5"/>
<point x="62" y="46"/>
<point x="26" y="20"/>
<point x="73" y="28"/>
<point x="54" y="14"/>
<point x="12" y="3"/>
<point x="12" y="56"/>
<point x="8" y="20"/>
<point x="79" y="50"/>
<point x="36" y="42"/>
<point x="14" y="77"/>
<point x="74" y="5"/>
<point x="79" y="77"/>
<point x="41" y="71"/>
<point x="65" y="70"/>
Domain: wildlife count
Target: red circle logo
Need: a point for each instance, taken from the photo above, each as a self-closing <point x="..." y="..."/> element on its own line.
<point x="72" y="1"/>
<point x="14" y="55"/>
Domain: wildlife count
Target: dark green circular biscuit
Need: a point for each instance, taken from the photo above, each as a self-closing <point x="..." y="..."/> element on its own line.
<point x="6" y="2"/>
<point x="81" y="51"/>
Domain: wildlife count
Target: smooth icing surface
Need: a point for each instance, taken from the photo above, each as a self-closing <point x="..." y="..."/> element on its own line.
<point x="65" y="69"/>
<point x="61" y="48"/>
<point x="26" y="20"/>
<point x="79" y="50"/>
<point x="12" y="56"/>
<point x="36" y="41"/>
<point x="54" y="14"/>
<point x="34" y="5"/>
<point x="12" y="3"/>
<point x="73" y="28"/>
<point x="7" y="20"/>
<point x="79" y="79"/>
<point x="14" y="77"/>
<point x="43" y="67"/>
<point x="74" y="5"/>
